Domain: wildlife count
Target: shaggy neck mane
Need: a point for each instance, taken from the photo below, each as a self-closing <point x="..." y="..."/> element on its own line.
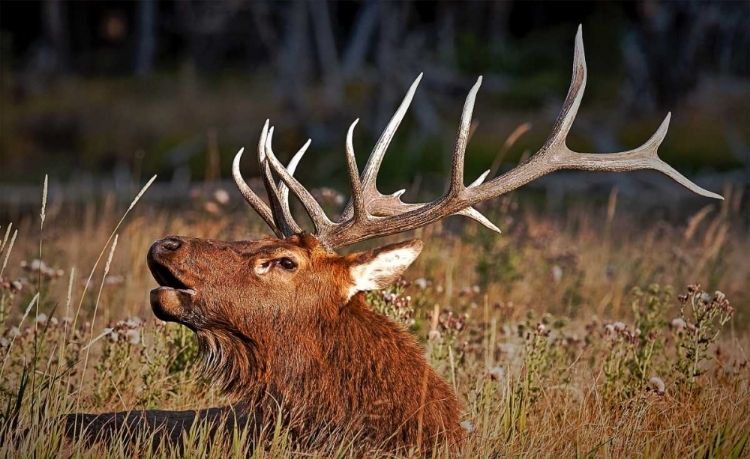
<point x="230" y="359"/>
<point x="333" y="374"/>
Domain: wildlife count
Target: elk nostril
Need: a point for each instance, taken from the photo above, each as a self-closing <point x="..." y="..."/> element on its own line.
<point x="171" y="243"/>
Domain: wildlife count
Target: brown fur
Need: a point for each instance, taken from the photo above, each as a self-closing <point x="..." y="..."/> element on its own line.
<point x="290" y="341"/>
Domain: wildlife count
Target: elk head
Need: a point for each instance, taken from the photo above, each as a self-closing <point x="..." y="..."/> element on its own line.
<point x="232" y="294"/>
<point x="194" y="273"/>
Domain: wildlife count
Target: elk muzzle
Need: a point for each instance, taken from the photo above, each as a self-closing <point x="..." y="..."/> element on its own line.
<point x="174" y="299"/>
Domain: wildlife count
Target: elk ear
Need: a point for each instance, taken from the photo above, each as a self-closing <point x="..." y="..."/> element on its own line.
<point x="381" y="267"/>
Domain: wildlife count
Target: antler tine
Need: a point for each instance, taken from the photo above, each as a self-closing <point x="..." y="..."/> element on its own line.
<point x="358" y="198"/>
<point x="370" y="172"/>
<point x="253" y="199"/>
<point x="284" y="221"/>
<point x="643" y="157"/>
<point x="479" y="180"/>
<point x="317" y="214"/>
<point x="291" y="167"/>
<point x="568" y="113"/>
<point x="459" y="150"/>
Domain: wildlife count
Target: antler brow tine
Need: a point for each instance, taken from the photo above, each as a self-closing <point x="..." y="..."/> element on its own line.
<point x="284" y="221"/>
<point x="253" y="199"/>
<point x="317" y="214"/>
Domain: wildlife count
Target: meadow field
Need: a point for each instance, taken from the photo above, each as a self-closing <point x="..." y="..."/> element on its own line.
<point x="596" y="331"/>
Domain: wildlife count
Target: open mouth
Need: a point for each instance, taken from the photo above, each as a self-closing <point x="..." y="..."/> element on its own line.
<point x="168" y="280"/>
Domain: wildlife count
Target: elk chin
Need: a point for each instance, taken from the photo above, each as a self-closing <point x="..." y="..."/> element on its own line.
<point x="173" y="304"/>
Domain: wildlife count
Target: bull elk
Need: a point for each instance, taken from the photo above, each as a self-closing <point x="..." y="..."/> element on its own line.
<point x="283" y="322"/>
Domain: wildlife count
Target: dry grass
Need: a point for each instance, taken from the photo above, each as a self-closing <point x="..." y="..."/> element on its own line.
<point x="551" y="332"/>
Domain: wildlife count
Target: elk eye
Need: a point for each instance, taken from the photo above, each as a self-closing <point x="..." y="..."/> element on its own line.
<point x="287" y="263"/>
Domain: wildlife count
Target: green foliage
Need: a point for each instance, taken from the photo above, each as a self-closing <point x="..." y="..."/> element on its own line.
<point x="630" y="362"/>
<point x="702" y="317"/>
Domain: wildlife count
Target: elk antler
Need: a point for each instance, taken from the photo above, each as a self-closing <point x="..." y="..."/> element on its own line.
<point x="371" y="214"/>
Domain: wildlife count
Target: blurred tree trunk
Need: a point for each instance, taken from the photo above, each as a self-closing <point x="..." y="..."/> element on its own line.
<point x="499" y="25"/>
<point x="186" y="23"/>
<point x="261" y="18"/>
<point x="392" y="23"/>
<point x="327" y="53"/>
<point x="146" y="39"/>
<point x="57" y="34"/>
<point x="447" y="33"/>
<point x="359" y="44"/>
<point x="293" y="60"/>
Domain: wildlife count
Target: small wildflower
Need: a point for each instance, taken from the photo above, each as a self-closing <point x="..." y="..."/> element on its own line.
<point x="433" y="335"/>
<point x="114" y="336"/>
<point x="38" y="266"/>
<point x="421" y="283"/>
<point x="133" y="336"/>
<point x="678" y="324"/>
<point x="496" y="373"/>
<point x="619" y="326"/>
<point x="211" y="207"/>
<point x="467" y="426"/>
<point x="4" y="342"/>
<point x="41" y="320"/>
<point x="115" y="279"/>
<point x="14" y="332"/>
<point x="557" y="274"/>
<point x="221" y="196"/>
<point x="657" y="385"/>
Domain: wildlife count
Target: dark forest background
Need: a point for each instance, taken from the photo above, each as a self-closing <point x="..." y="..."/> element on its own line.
<point x="109" y="93"/>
